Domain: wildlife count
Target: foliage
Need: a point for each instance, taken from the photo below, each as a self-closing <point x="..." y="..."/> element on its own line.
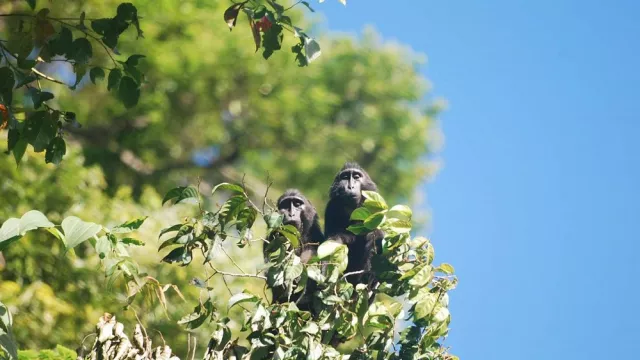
<point x="213" y="109"/>
<point x="404" y="266"/>
<point x="59" y="353"/>
<point x="267" y="21"/>
<point x="8" y="347"/>
<point x="36" y="40"/>
<point x="216" y="109"/>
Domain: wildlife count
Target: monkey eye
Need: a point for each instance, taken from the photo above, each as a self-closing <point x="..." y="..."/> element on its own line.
<point x="356" y="176"/>
<point x="297" y="203"/>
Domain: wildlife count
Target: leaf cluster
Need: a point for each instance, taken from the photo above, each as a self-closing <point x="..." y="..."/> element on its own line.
<point x="341" y="313"/>
<point x="39" y="40"/>
<point x="267" y="21"/>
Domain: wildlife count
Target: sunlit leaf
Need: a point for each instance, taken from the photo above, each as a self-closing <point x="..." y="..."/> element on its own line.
<point x="328" y="248"/>
<point x="9" y="232"/>
<point x="360" y="213"/>
<point x="446" y="268"/>
<point x="228" y="187"/>
<point x="241" y="298"/>
<point x="373" y="221"/>
<point x="401" y="212"/>
<point x="76" y="231"/>
<point x="129" y="226"/>
<point x="180" y="194"/>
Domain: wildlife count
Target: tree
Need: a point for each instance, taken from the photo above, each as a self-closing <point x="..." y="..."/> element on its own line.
<point x="403" y="265"/>
<point x="209" y="107"/>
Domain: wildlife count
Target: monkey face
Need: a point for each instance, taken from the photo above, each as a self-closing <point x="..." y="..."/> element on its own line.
<point x="293" y="208"/>
<point x="349" y="183"/>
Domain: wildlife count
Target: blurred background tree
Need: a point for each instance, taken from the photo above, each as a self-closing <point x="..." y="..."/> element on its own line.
<point x="212" y="108"/>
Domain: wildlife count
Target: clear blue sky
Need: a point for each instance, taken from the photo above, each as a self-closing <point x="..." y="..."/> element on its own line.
<point x="537" y="205"/>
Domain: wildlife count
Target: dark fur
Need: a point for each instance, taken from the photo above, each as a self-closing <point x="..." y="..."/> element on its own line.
<point x="345" y="196"/>
<point x="305" y="219"/>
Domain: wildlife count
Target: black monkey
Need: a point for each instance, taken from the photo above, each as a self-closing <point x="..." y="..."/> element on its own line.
<point x="299" y="212"/>
<point x="345" y="196"/>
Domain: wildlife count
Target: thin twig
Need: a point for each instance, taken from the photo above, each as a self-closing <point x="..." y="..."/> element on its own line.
<point x="354" y="273"/>
<point x="238" y="275"/>
<point x="46" y="77"/>
<point x="290" y="7"/>
<point x="232" y="261"/>
<point x="193" y="354"/>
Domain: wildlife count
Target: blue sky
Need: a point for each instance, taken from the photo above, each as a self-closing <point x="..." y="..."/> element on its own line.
<point x="537" y="205"/>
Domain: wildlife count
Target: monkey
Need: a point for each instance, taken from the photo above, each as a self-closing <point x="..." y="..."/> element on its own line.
<point x="345" y="195"/>
<point x="298" y="211"/>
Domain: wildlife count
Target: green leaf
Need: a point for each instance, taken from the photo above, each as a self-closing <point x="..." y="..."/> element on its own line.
<point x="181" y="193"/>
<point x="400" y="212"/>
<point x="25" y="64"/>
<point x="114" y="79"/>
<point x="311" y="49"/>
<point x="398" y="226"/>
<point x="293" y="239"/>
<point x="7" y="80"/>
<point x="126" y="12"/>
<point x="294" y="270"/>
<point x="133" y="60"/>
<point x="102" y="26"/>
<point x="429" y="253"/>
<point x="315" y="274"/>
<point x="9" y="232"/>
<point x="55" y="232"/>
<point x="76" y="231"/>
<point x="241" y="298"/>
<point x="373" y="221"/>
<point x="12" y="138"/>
<point x="7" y="341"/>
<point x="181" y="254"/>
<point x="425" y="306"/>
<point x="81" y="51"/>
<point x="305" y="3"/>
<point x="231" y="14"/>
<point x="445" y="268"/>
<point x="32" y="5"/>
<point x="346" y="324"/>
<point x="441" y="314"/>
<point x="128" y="92"/>
<point x="422" y="276"/>
<point x="228" y="187"/>
<point x="129" y="226"/>
<point x="374" y="196"/>
<point x="328" y="248"/>
<point x="24" y="79"/>
<point x="132" y="241"/>
<point x="272" y="40"/>
<point x="38" y="97"/>
<point x="301" y="59"/>
<point x="19" y="149"/>
<point x="103" y="246"/>
<point x="175" y="227"/>
<point x="96" y="73"/>
<point x="32" y="220"/>
<point x="39" y="129"/>
<point x="357" y="229"/>
<point x="360" y="213"/>
<point x="310" y="328"/>
<point x="273" y="220"/>
<point x="55" y="151"/>
<point x="62" y="43"/>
